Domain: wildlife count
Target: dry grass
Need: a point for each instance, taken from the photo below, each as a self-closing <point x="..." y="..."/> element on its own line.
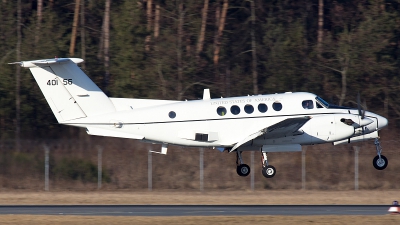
<point x="88" y="220"/>
<point x="207" y="198"/>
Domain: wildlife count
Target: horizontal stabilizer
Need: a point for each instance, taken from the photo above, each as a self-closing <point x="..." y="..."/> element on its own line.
<point x="110" y="133"/>
<point x="46" y="62"/>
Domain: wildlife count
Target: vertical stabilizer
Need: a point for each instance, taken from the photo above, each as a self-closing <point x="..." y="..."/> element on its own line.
<point x="68" y="90"/>
<point x="60" y="100"/>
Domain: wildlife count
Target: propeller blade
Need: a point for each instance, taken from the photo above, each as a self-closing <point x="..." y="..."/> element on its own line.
<point x="364" y="108"/>
<point x="359" y="104"/>
<point x="361" y="111"/>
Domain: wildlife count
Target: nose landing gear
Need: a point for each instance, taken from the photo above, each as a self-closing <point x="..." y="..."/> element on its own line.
<point x="380" y="162"/>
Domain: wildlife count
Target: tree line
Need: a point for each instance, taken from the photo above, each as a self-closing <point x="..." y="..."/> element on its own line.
<point x="174" y="49"/>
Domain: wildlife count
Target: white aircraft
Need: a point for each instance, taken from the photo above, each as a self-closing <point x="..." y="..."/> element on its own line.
<point x="265" y="123"/>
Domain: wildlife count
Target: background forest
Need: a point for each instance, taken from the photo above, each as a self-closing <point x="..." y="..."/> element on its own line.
<point x="174" y="49"/>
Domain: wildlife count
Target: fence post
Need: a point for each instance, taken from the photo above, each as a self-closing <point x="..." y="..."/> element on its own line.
<point x="149" y="171"/>
<point x="99" y="166"/>
<point x="356" y="150"/>
<point x="46" y="167"/>
<point x="252" y="171"/>
<point x="303" y="168"/>
<point x="201" y="170"/>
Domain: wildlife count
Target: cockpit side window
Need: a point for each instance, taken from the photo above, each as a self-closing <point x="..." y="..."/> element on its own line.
<point x="308" y="104"/>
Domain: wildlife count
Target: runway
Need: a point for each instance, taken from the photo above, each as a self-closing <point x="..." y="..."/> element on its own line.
<point x="194" y="210"/>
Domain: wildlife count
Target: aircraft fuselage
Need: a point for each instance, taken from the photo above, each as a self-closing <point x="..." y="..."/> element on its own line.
<point x="198" y="122"/>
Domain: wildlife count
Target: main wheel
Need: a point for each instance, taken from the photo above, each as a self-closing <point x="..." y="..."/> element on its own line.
<point x="380" y="164"/>
<point x="269" y="171"/>
<point x="243" y="170"/>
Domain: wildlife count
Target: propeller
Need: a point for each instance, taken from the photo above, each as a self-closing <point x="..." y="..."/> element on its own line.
<point x="361" y="111"/>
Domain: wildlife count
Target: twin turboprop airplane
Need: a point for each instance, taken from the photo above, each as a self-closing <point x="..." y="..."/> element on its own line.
<point x="265" y="123"/>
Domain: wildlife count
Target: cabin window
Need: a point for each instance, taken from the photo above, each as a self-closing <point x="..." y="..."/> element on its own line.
<point x="277" y="106"/>
<point x="235" y="109"/>
<point x="221" y="111"/>
<point x="172" y="114"/>
<point x="249" y="109"/>
<point x="262" y="107"/>
<point x="307" y="104"/>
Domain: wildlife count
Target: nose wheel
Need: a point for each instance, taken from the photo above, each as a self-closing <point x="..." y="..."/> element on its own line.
<point x="380" y="162"/>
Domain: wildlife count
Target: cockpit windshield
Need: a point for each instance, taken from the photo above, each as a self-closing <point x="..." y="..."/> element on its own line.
<point x="327" y="105"/>
<point x="322" y="102"/>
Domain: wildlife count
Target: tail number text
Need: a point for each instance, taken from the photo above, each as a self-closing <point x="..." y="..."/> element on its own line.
<point x="55" y="82"/>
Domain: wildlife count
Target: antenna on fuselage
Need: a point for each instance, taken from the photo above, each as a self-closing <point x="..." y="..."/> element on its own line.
<point x="206" y="94"/>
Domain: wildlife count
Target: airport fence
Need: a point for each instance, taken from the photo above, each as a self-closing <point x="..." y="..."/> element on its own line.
<point x="118" y="164"/>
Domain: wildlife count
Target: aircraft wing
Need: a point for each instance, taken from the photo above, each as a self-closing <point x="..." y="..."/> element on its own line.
<point x="287" y="127"/>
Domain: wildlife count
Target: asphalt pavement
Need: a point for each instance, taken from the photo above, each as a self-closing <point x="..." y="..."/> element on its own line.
<point x="194" y="210"/>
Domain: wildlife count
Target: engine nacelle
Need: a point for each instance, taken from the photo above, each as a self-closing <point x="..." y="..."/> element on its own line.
<point x="328" y="128"/>
<point x="365" y="137"/>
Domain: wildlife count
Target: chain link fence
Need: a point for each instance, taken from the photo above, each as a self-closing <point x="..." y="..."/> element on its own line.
<point x="128" y="165"/>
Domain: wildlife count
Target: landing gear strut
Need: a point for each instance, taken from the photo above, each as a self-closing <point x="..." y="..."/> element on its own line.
<point x="267" y="170"/>
<point x="380" y="162"/>
<point x="241" y="169"/>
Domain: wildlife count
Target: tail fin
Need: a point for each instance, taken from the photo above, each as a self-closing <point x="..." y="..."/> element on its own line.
<point x="68" y="90"/>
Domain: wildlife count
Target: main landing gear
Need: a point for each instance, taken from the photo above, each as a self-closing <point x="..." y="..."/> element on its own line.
<point x="241" y="169"/>
<point x="267" y="170"/>
<point x="380" y="162"/>
<point x="244" y="170"/>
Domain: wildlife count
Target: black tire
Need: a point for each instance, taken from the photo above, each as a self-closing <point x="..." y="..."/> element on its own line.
<point x="269" y="171"/>
<point x="380" y="164"/>
<point x="243" y="170"/>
